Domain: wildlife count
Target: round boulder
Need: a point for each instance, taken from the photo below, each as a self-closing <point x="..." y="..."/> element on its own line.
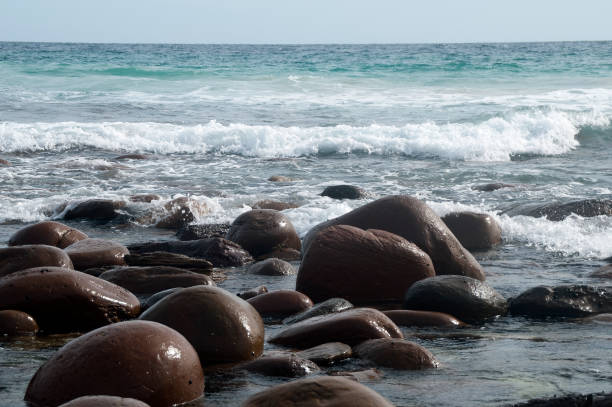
<point x="344" y="192"/>
<point x="416" y="222"/>
<point x="47" y="233"/>
<point x="332" y="391"/>
<point x="104" y="401"/>
<point x="362" y="266"/>
<point x="17" y="323"/>
<point x="64" y="300"/>
<point x="280" y="303"/>
<point x="475" y="231"/>
<point x="261" y="231"/>
<point x="403" y="317"/>
<point x="466" y="298"/>
<point x="396" y="354"/>
<point x="136" y="359"/>
<point x="90" y="253"/>
<point x="18" y="258"/>
<point x="222" y="327"/>
<point x="562" y="301"/>
<point x="272" y="267"/>
<point x="94" y="209"/>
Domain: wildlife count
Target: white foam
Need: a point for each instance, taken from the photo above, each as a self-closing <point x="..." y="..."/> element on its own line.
<point x="495" y="139"/>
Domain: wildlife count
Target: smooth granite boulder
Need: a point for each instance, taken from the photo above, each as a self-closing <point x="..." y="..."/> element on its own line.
<point x="18" y="258"/>
<point x="261" y="231"/>
<point x="351" y="327"/>
<point x="90" y="253"/>
<point x="143" y="360"/>
<point x="344" y="192"/>
<point x="330" y="306"/>
<point x="403" y="317"/>
<point x="416" y="222"/>
<point x="363" y="266"/>
<point x="17" y="323"/>
<point x="104" y="401"/>
<point x="396" y="354"/>
<point x="324" y="391"/>
<point x="48" y="233"/>
<point x="466" y="298"/>
<point x="475" y="231"/>
<point x="562" y="301"/>
<point x="280" y="303"/>
<point x="222" y="327"/>
<point x="282" y="365"/>
<point x="272" y="267"/>
<point x="64" y="300"/>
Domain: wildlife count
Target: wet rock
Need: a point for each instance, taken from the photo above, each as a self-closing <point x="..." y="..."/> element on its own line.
<point x="600" y="319"/>
<point x="468" y="299"/>
<point x="181" y="212"/>
<point x="602" y="272"/>
<point x="154" y="299"/>
<point x="149" y="280"/>
<point x="104" y="401"/>
<point x="422" y="318"/>
<point x="368" y="375"/>
<point x="475" y="231"/>
<point x="396" y="354"/>
<point x="4" y="162"/>
<point x="90" y="253"/>
<point x="133" y="157"/>
<point x="229" y="331"/>
<point x="164" y="370"/>
<point x="166" y="259"/>
<point x="350" y="327"/>
<point x="64" y="300"/>
<point x="94" y="209"/>
<point x="413" y="220"/>
<point x="562" y="301"/>
<point x="195" y="232"/>
<point x="220" y="252"/>
<point x="492" y="187"/>
<point x="319" y="391"/>
<point x="280" y="303"/>
<point x="261" y="231"/>
<point x="274" y="205"/>
<point x="327" y="353"/>
<point x="147" y="198"/>
<point x="272" y="267"/>
<point x="344" y="192"/>
<point x="285" y="253"/>
<point x="17" y="323"/>
<point x="331" y="306"/>
<point x="48" y="233"/>
<point x="557" y="211"/>
<point x="253" y="292"/>
<point x="571" y="400"/>
<point x="365" y="267"/>
<point x="18" y="258"/>
<point x="283" y="365"/>
<point x="280" y="178"/>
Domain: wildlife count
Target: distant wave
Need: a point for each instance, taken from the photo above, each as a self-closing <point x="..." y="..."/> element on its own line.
<point x="496" y="139"/>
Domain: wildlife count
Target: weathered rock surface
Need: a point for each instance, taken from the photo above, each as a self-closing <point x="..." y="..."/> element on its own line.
<point x="327" y="353"/>
<point x="557" y="211"/>
<point x="196" y="232"/>
<point x="283" y="365"/>
<point x="365" y="267"/>
<point x="396" y="354"/>
<point x="94" y="209"/>
<point x="90" y="253"/>
<point x="47" y="233"/>
<point x="422" y="318"/>
<point x="562" y="301"/>
<point x="344" y="192"/>
<point x="104" y="401"/>
<point x="330" y="306"/>
<point x="413" y="220"/>
<point x="165" y="369"/>
<point x="272" y="267"/>
<point x="475" y="231"/>
<point x="18" y="258"/>
<point x="350" y="327"/>
<point x="280" y="303"/>
<point x="329" y="391"/>
<point x="64" y="300"/>
<point x="222" y="327"/>
<point x="16" y="323"/>
<point x="468" y="299"/>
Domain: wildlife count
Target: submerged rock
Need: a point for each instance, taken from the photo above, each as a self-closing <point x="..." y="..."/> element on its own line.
<point x="280" y="178"/>
<point x="396" y="354"/>
<point x="283" y="365"/>
<point x="557" y="211"/>
<point x="602" y="272"/>
<point x="330" y="306"/>
<point x="344" y="192"/>
<point x="18" y="258"/>
<point x="47" y="233"/>
<point x="562" y="301"/>
<point x="94" y="209"/>
<point x="148" y="198"/>
<point x="167" y="259"/>
<point x="492" y="187"/>
<point x="275" y="205"/>
<point x="272" y="267"/>
<point x="404" y="317"/>
<point x="180" y="212"/>
<point x="253" y="292"/>
<point x="133" y="157"/>
<point x="475" y="231"/>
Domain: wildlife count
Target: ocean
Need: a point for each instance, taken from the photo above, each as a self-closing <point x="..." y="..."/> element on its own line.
<point x="431" y="121"/>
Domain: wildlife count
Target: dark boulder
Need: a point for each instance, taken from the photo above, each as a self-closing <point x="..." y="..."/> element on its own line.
<point x="272" y="267"/>
<point x="344" y="192"/>
<point x="93" y="209"/>
<point x="396" y="354"/>
<point x="403" y="317"/>
<point x="332" y="391"/>
<point x="64" y="300"/>
<point x="475" y="231"/>
<point x="18" y="258"/>
<point x="134" y="359"/>
<point x="413" y="220"/>
<point x="17" y="323"/>
<point x="221" y="327"/>
<point x="350" y="327"/>
<point x="562" y="301"/>
<point x="262" y="231"/>
<point x="492" y="187"/>
<point x="146" y="198"/>
<point x="104" y="401"/>
<point x="48" y="233"/>
<point x="274" y="205"/>
<point x="280" y="178"/>
<point x="331" y="306"/>
<point x="253" y="292"/>
<point x="166" y="259"/>
<point x="196" y="232"/>
<point x="153" y="299"/>
<point x="466" y="298"/>
<point x="363" y="266"/>
<point x="90" y="253"/>
<point x="282" y="365"/>
<point x="557" y="211"/>
<point x="571" y="400"/>
<point x="281" y="303"/>
<point x="327" y="353"/>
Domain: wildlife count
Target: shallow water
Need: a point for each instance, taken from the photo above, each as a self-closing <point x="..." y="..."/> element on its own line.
<point x="429" y="121"/>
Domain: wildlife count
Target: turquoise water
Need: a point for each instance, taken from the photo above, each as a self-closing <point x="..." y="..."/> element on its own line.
<point x="426" y="120"/>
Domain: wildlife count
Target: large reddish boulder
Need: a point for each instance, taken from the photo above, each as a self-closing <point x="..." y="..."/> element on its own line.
<point x="280" y="303"/>
<point x="90" y="253"/>
<point x="16" y="323"/>
<point x="49" y="233"/>
<point x="143" y="360"/>
<point x="416" y="222"/>
<point x="18" y="258"/>
<point x="362" y="266"/>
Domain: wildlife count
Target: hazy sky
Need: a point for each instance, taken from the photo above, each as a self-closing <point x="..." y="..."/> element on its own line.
<point x="305" y="21"/>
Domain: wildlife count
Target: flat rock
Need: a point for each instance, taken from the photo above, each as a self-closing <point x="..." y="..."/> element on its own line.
<point x="368" y="375"/>
<point x="329" y="306"/>
<point x="272" y="267"/>
<point x="327" y="353"/>
<point x="17" y="323"/>
<point x="557" y="211"/>
<point x="195" y="232"/>
<point x="562" y="301"/>
<point x="280" y="303"/>
<point x="18" y="258"/>
<point x="283" y="365"/>
<point x="475" y="231"/>
<point x="492" y="186"/>
<point x="90" y="253"/>
<point x="344" y="192"/>
<point x="253" y="292"/>
<point x="422" y="318"/>
<point x="104" y="401"/>
<point x="47" y="233"/>
<point x="93" y="209"/>
<point x="396" y="354"/>
<point x="166" y="259"/>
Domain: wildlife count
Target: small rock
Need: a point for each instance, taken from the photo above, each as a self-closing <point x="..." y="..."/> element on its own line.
<point x="327" y="353"/>
<point x="344" y="192"/>
<point x="369" y="375"/>
<point x="18" y="258"/>
<point x="132" y="157"/>
<point x="147" y="198"/>
<point x="284" y="365"/>
<point x="47" y="233"/>
<point x="280" y="303"/>
<point x="600" y="319"/>
<point x="475" y="231"/>
<point x="17" y="323"/>
<point x="396" y="354"/>
<point x="422" y="318"/>
<point x="331" y="306"/>
<point x="253" y="292"/>
<point x="4" y="162"/>
<point x="90" y="253"/>
<point x="492" y="187"/>
<point x="280" y="178"/>
<point x="272" y="267"/>
<point x="274" y="205"/>
<point x="562" y="301"/>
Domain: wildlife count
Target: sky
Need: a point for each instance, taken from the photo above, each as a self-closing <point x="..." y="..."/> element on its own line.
<point x="305" y="21"/>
